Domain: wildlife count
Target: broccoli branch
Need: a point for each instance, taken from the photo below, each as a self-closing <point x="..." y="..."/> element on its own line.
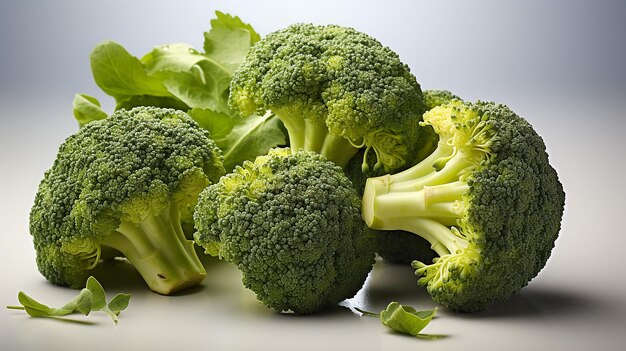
<point x="311" y="134"/>
<point x="425" y="200"/>
<point x="157" y="247"/>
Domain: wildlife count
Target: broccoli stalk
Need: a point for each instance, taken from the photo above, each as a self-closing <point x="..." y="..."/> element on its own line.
<point x="311" y="134"/>
<point x="486" y="200"/>
<point x="158" y="249"/>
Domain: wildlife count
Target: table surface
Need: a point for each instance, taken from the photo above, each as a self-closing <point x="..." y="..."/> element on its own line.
<point x="576" y="302"/>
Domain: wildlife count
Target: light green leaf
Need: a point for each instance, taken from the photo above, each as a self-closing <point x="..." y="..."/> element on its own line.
<point x="204" y="86"/>
<point x="87" y="109"/>
<point x="120" y="74"/>
<point x="80" y="304"/>
<point x="229" y="41"/>
<point x="405" y="319"/>
<point x="241" y="139"/>
<point x="171" y="57"/>
<point x="91" y="298"/>
<point x="119" y="303"/>
<point x="99" y="297"/>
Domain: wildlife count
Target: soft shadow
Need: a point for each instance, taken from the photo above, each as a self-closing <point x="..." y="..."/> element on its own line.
<point x="391" y="282"/>
<point x="118" y="275"/>
<point x="536" y="301"/>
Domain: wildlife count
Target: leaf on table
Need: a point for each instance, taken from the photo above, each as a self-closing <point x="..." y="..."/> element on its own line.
<point x="406" y="319"/>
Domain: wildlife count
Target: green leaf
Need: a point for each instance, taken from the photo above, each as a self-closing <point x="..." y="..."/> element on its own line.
<point x="405" y="319"/>
<point x="87" y="109"/>
<point x="80" y="304"/>
<point x="99" y="297"/>
<point x="122" y="75"/>
<point x="241" y="139"/>
<point x="171" y="57"/>
<point x="91" y="298"/>
<point x="204" y="86"/>
<point x="229" y="41"/>
<point x="119" y="303"/>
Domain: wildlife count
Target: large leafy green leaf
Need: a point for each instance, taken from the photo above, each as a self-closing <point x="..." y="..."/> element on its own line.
<point x="205" y="86"/>
<point x="122" y="75"/>
<point x="229" y="41"/>
<point x="171" y="58"/>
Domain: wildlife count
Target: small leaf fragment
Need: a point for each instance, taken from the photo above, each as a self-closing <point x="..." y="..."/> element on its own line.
<point x="405" y="319"/>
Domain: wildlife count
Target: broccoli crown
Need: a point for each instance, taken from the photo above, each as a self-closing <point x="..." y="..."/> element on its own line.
<point x="292" y="225"/>
<point x="487" y="200"/>
<point x="128" y="175"/>
<point x="336" y="90"/>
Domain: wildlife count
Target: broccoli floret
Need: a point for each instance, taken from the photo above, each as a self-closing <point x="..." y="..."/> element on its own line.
<point x="117" y="186"/>
<point x="398" y="246"/>
<point x="336" y="90"/>
<point x="291" y="223"/>
<point x="486" y="199"/>
<point x="434" y="98"/>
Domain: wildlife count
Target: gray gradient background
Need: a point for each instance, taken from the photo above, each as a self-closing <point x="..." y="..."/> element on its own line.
<point x="560" y="64"/>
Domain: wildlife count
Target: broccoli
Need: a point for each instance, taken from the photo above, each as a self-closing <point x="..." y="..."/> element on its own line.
<point x="398" y="246"/>
<point x="336" y="90"/>
<point x="486" y="199"/>
<point x="117" y="187"/>
<point x="434" y="98"/>
<point x="291" y="223"/>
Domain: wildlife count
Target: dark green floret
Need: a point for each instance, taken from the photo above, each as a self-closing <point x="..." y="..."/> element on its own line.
<point x="292" y="225"/>
<point x="486" y="199"/>
<point x="117" y="187"/>
<point x="336" y="90"/>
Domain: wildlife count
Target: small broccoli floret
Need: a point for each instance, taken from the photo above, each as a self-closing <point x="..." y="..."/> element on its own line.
<point x="118" y="185"/>
<point x="336" y="90"/>
<point x="291" y="223"/>
<point x="434" y="98"/>
<point x="486" y="199"/>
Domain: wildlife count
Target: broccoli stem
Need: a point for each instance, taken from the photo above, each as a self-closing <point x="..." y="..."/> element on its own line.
<point x="158" y="249"/>
<point x="311" y="134"/>
<point x="422" y="200"/>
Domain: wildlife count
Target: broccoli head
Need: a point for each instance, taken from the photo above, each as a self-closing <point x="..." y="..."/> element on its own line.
<point x="118" y="186"/>
<point x="486" y="199"/>
<point x="336" y="90"/>
<point x="291" y="223"/>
